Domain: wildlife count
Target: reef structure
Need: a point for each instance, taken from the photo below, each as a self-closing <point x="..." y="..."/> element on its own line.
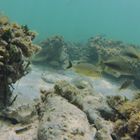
<point x="16" y="48"/>
<point x="115" y="58"/>
<point x="106" y="48"/>
<point x="53" y="53"/>
<point x="127" y="120"/>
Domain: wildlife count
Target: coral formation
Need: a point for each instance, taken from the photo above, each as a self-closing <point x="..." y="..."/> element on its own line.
<point x="115" y="57"/>
<point x="16" y="48"/>
<point x="107" y="54"/>
<point x="54" y="52"/>
<point x="129" y="125"/>
<point x="73" y="51"/>
<point x="106" y="48"/>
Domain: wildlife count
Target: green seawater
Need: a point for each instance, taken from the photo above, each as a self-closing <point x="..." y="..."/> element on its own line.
<point x="78" y="20"/>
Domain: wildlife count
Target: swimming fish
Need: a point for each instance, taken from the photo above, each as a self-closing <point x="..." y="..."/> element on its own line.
<point x="70" y="65"/>
<point x="126" y="84"/>
<point x="132" y="52"/>
<point x="86" y="69"/>
<point x="118" y="66"/>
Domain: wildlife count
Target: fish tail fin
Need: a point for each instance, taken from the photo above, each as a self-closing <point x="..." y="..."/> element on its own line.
<point x="69" y="65"/>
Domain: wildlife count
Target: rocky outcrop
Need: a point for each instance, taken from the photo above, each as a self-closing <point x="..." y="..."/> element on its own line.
<point x="64" y="121"/>
<point x="90" y="102"/>
<point x="87" y="99"/>
<point x="68" y="108"/>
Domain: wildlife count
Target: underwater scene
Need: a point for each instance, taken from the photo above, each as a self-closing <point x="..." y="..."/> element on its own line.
<point x="69" y="70"/>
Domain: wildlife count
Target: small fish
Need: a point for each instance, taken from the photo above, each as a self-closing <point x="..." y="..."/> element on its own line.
<point x="126" y="84"/>
<point x="70" y="65"/>
<point x="22" y="129"/>
<point x="86" y="69"/>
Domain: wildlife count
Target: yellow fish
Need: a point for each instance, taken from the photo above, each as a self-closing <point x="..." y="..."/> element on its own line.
<point x="86" y="69"/>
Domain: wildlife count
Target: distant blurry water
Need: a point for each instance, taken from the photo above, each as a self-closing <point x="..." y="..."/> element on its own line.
<point x="78" y="20"/>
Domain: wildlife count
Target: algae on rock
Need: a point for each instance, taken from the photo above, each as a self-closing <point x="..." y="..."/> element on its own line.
<point x="62" y="120"/>
<point x="16" y="48"/>
<point x="127" y="126"/>
<point x="93" y="104"/>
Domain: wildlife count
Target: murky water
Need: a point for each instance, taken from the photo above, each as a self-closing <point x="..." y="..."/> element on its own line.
<point x="78" y="19"/>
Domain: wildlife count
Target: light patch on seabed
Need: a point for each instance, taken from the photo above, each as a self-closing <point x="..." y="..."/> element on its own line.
<point x="108" y="88"/>
<point x="111" y="89"/>
<point x="31" y="84"/>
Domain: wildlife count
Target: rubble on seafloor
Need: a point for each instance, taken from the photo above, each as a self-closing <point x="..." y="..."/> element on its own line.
<point x="108" y="48"/>
<point x="16" y="48"/>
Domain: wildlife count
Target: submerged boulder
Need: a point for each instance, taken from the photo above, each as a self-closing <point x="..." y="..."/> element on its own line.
<point x="86" y="98"/>
<point x="90" y="102"/>
<point x="63" y="121"/>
